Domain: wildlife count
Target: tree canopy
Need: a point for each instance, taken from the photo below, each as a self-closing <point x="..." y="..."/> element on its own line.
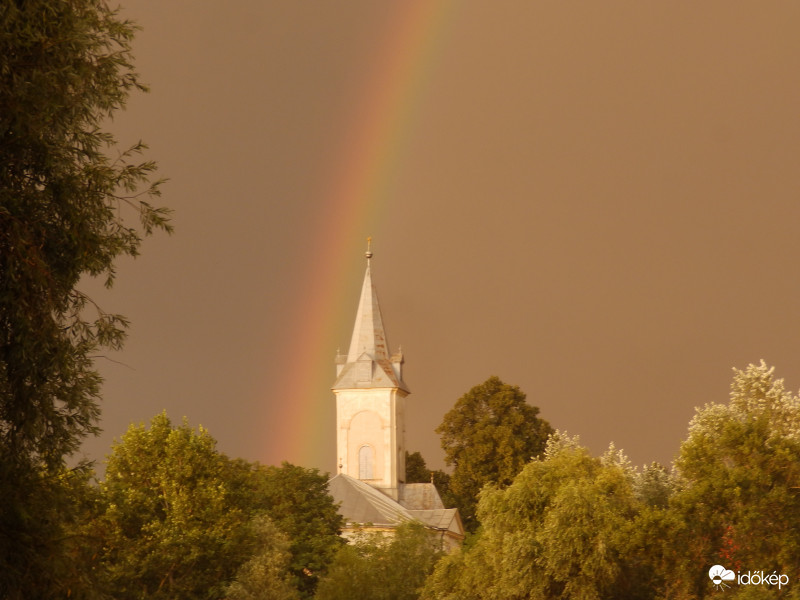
<point x="377" y="567"/>
<point x="738" y="477"/>
<point x="176" y="518"/>
<point x="296" y="500"/>
<point x="573" y="526"/>
<point x="488" y="436"/>
<point x="171" y="527"/>
<point x="562" y="529"/>
<point x="70" y="205"/>
<point x="65" y="68"/>
<point x="265" y="575"/>
<point x="416" y="468"/>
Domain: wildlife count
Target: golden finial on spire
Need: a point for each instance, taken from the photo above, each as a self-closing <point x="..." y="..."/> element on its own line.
<point x="368" y="253"/>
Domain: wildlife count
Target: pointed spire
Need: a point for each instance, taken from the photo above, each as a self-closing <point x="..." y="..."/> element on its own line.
<point x="368" y="333"/>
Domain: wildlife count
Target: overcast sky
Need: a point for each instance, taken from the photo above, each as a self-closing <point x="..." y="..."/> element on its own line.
<point x="597" y="202"/>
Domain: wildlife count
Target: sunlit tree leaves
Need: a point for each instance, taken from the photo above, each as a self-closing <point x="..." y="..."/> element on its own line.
<point x="562" y="529"/>
<point x="265" y="575"/>
<point x="739" y="483"/>
<point x="382" y="567"/>
<point x="171" y="526"/>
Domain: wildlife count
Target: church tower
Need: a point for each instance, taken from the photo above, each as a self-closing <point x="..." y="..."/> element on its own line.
<point x="370" y="401"/>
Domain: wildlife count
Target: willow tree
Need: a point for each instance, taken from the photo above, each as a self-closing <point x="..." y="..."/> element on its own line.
<point x="71" y="203"/>
<point x="567" y="527"/>
<point x="738" y="472"/>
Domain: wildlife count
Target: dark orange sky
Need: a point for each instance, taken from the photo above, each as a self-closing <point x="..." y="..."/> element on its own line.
<point x="597" y="202"/>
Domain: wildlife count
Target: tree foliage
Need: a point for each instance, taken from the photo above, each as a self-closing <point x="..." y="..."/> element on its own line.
<point x="296" y="500"/>
<point x="178" y="519"/>
<point x="574" y="526"/>
<point x="738" y="500"/>
<point x="417" y="472"/>
<point x="171" y="526"/>
<point x="65" y="68"/>
<point x="562" y="529"/>
<point x="380" y="567"/>
<point x="265" y="575"/>
<point x="43" y="545"/>
<point x="488" y="436"/>
<point x="416" y="468"/>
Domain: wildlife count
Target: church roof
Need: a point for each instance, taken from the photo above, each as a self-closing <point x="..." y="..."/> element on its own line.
<point x="443" y="519"/>
<point x="369" y="374"/>
<point x="368" y="333"/>
<point x="361" y="504"/>
<point x="368" y="363"/>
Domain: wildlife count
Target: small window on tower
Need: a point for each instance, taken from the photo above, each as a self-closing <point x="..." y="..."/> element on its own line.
<point x="365" y="458"/>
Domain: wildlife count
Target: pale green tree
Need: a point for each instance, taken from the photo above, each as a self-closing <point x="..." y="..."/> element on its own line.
<point x="738" y="500"/>
<point x="488" y="436"/>
<point x="171" y="526"/>
<point x="178" y="519"/>
<point x="70" y="204"/>
<point x="382" y="567"/>
<point x="563" y="529"/>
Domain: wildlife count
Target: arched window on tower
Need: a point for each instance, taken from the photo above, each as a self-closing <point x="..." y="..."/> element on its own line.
<point x="365" y="460"/>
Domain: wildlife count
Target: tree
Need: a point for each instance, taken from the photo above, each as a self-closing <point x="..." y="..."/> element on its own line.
<point x="416" y="469"/>
<point x="42" y="537"/>
<point x="265" y="575"/>
<point x="377" y="567"/>
<point x="296" y="500"/>
<point x="65" y="67"/>
<point x="488" y="436"/>
<point x="170" y="524"/>
<point x="417" y="472"/>
<point x="574" y="526"/>
<point x="563" y="529"/>
<point x="738" y="476"/>
<point x="178" y="519"/>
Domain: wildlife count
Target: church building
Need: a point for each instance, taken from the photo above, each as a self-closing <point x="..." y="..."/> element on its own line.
<point x="370" y="436"/>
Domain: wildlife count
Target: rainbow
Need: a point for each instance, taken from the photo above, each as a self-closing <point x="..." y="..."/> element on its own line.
<point x="354" y="195"/>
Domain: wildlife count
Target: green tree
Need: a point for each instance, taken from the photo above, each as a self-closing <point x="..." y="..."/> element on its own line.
<point x="563" y="529"/>
<point x="488" y="436"/>
<point x="296" y="500"/>
<point x="171" y="525"/>
<point x="380" y="567"/>
<point x="738" y="476"/>
<point x="416" y="468"/>
<point x="264" y="576"/>
<point x="42" y="518"/>
<point x="65" y="67"/>
<point x="417" y="472"/>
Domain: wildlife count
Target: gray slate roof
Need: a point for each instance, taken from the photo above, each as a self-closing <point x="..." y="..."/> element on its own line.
<point x="360" y="504"/>
<point x="369" y="345"/>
